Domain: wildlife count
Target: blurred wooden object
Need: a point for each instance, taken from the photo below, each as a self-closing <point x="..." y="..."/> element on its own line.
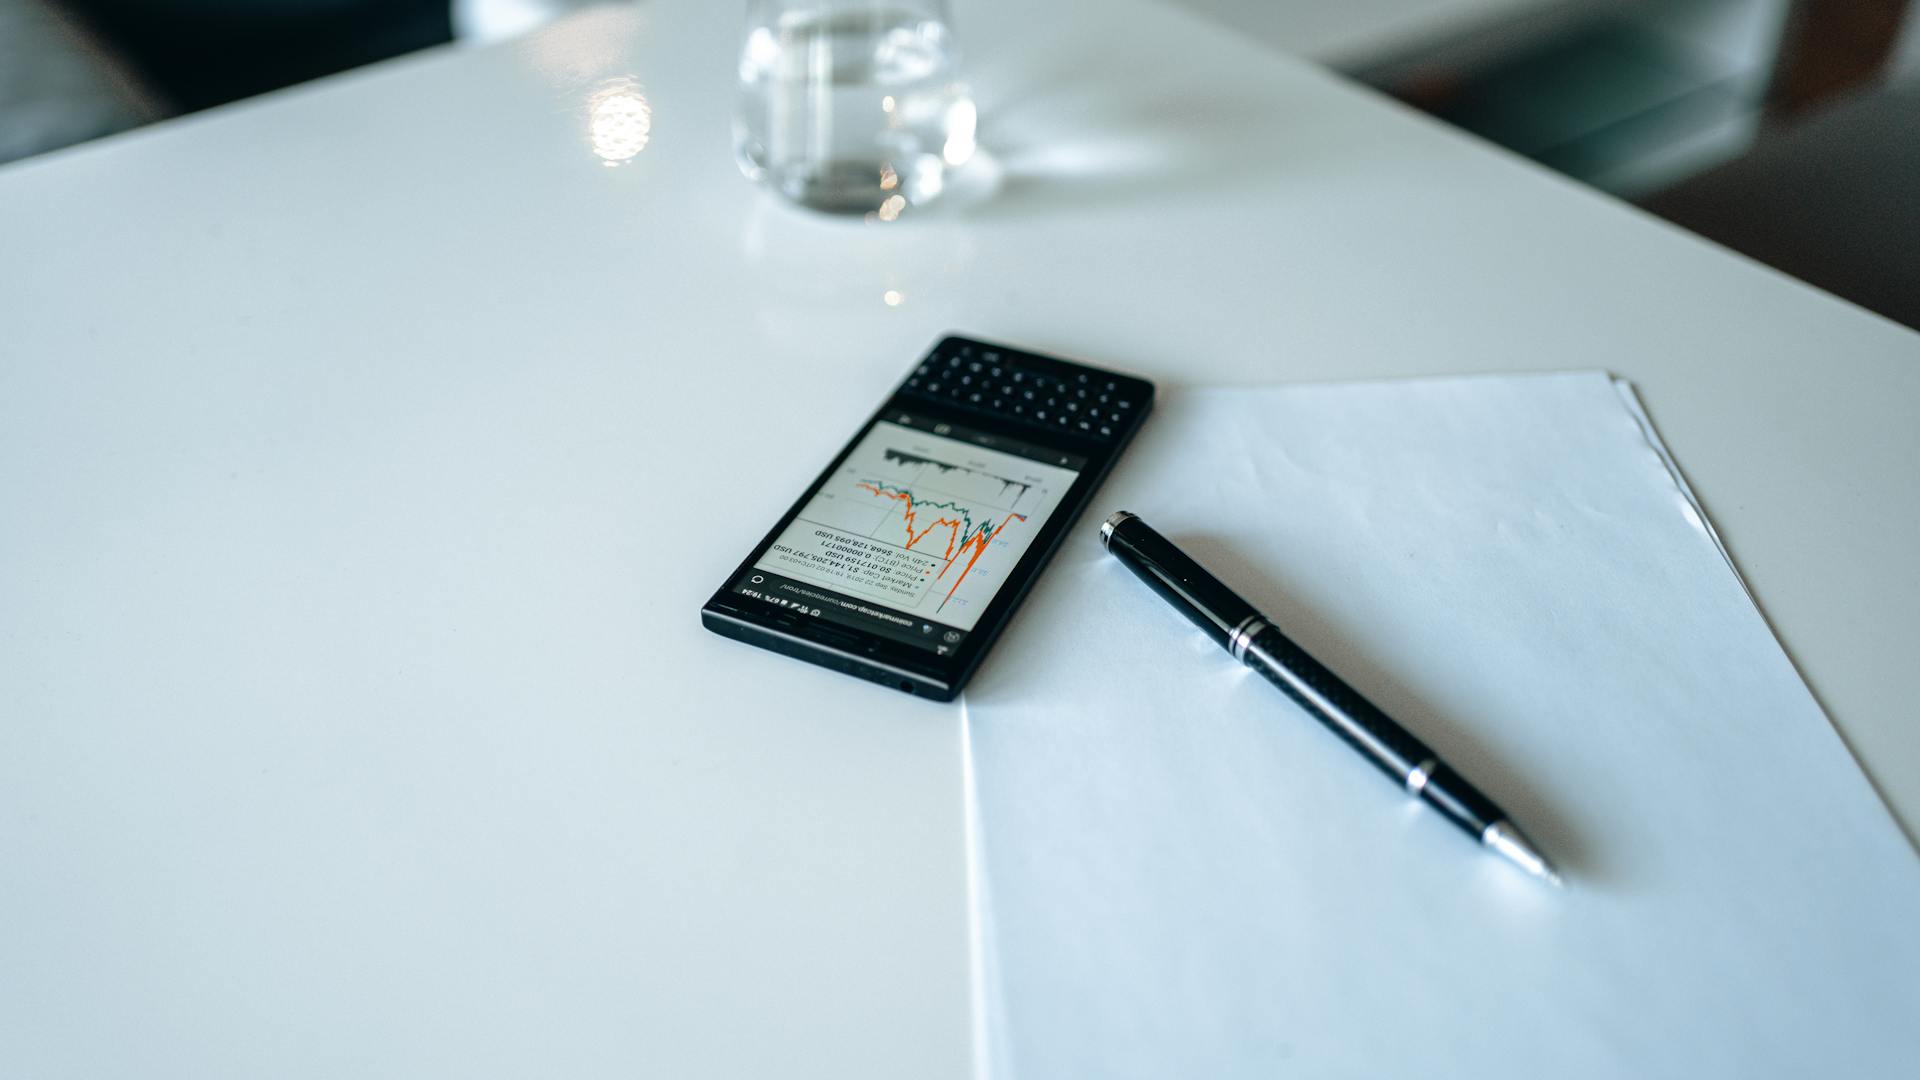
<point x="1829" y="47"/>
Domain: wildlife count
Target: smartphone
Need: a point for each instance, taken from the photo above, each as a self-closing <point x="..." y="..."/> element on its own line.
<point x="904" y="560"/>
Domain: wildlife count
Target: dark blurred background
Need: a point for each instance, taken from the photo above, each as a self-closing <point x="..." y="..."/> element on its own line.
<point x="205" y="52"/>
<point x="1786" y="129"/>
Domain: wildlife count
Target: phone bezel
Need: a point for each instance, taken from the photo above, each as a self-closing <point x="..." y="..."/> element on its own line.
<point x="881" y="659"/>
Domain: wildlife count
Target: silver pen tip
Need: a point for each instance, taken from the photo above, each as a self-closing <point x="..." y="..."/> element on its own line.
<point x="1107" y="526"/>
<point x="1514" y="846"/>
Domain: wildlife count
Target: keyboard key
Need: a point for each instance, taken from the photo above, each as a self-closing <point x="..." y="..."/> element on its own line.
<point x="988" y="381"/>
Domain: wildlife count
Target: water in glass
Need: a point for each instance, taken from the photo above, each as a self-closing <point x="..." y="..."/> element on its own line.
<point x="852" y="107"/>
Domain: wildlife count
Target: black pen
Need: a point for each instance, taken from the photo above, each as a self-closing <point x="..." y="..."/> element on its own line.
<point x="1252" y="639"/>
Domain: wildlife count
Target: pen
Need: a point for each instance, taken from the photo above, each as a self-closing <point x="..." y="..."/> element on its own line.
<point x="1252" y="639"/>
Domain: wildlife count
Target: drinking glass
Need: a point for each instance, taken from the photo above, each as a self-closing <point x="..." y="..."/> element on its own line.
<point x="852" y="106"/>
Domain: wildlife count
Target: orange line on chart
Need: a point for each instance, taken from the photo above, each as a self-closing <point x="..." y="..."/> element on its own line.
<point x="962" y="536"/>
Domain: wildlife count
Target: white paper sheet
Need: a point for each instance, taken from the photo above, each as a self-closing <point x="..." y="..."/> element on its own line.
<point x="1181" y="874"/>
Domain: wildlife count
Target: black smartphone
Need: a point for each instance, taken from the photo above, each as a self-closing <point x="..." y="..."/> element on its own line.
<point x="903" y="562"/>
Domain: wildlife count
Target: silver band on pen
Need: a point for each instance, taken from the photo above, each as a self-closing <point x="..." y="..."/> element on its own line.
<point x="1243" y="635"/>
<point x="1417" y="779"/>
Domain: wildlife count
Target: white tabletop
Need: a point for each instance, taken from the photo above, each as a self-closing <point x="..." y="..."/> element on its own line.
<point x="366" y="451"/>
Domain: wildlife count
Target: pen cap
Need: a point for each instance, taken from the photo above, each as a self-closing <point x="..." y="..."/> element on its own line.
<point x="1185" y="584"/>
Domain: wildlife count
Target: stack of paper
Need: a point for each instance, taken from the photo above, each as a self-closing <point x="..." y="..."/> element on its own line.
<point x="1182" y="874"/>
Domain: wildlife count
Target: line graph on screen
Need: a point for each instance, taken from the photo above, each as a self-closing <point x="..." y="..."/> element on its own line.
<point x="922" y="523"/>
<point x="963" y="536"/>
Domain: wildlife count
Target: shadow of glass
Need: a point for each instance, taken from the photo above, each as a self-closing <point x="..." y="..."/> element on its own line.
<point x="1051" y="150"/>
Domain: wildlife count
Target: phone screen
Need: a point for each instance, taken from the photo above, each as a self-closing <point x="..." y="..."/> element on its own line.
<point x="915" y="532"/>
